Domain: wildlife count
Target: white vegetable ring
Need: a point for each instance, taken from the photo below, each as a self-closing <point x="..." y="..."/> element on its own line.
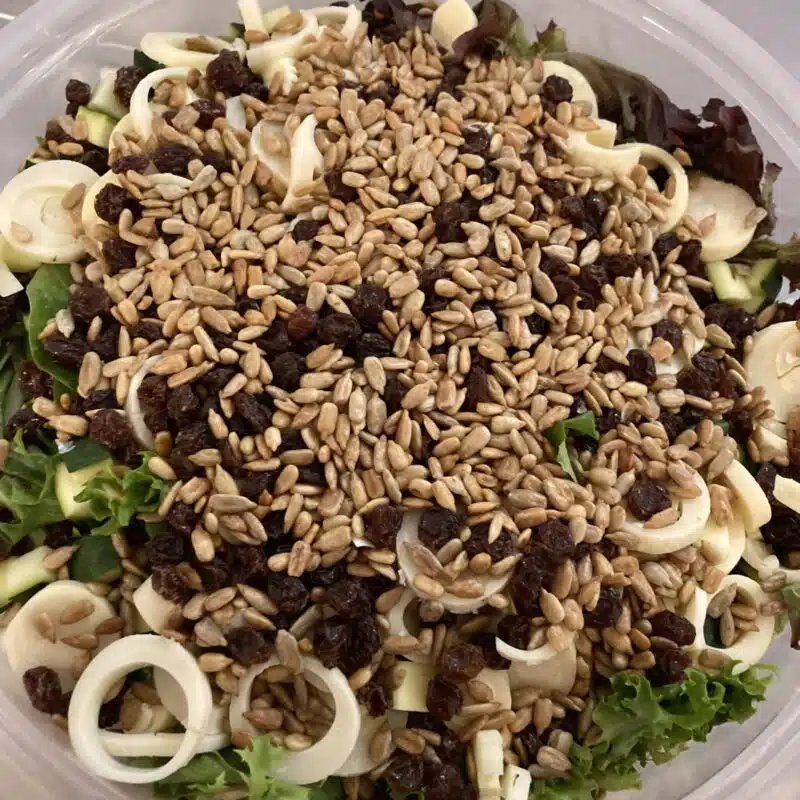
<point x="171" y="694"/>
<point x="280" y="166"/>
<point x="158" y="745"/>
<point x="306" y="159"/>
<point x="234" y="113"/>
<point x="774" y="363"/>
<point x="555" y="675"/>
<point x="452" y="19"/>
<point x="156" y="611"/>
<point x="281" y="45"/>
<point x="89" y="218"/>
<point x="133" y="409"/>
<point x="397" y="623"/>
<point x="32" y="199"/>
<point x="753" y="502"/>
<point x="409" y="533"/>
<point x="252" y="15"/>
<point x="141" y="110"/>
<point x="116" y="661"/>
<point x="328" y="754"/>
<point x="27" y="648"/>
<point x="170" y="49"/>
<point x="726" y="541"/>
<point x="582" y="91"/>
<point x="680" y="199"/>
<point x="759" y="555"/>
<point x="686" y="530"/>
<point x="607" y="160"/>
<point x="752" y="645"/>
<point x="347" y="17"/>
<point x="360" y="762"/>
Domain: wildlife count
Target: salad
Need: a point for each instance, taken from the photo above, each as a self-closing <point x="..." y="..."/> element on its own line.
<point x="394" y="405"/>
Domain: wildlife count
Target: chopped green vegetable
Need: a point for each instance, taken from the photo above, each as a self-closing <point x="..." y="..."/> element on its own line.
<point x="640" y="723"/>
<point x="12" y="348"/>
<point x="48" y="293"/>
<point x="85" y="453"/>
<point x="787" y="256"/>
<point x="94" y="558"/>
<point x="143" y="61"/>
<point x="791" y="598"/>
<point x="583" y="425"/>
<point x="27" y="489"/>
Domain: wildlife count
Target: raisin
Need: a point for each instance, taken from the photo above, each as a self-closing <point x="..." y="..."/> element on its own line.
<point x="557" y="90"/>
<point x="670" y="667"/>
<point x="128" y="78"/>
<point x="742" y="427"/>
<point x="461" y="662"/>
<point x="373" y="698"/>
<point x="111" y="429"/>
<point x="445" y="783"/>
<point x="110" y="712"/>
<point x="305" y="230"/>
<point x="153" y="393"/>
<point x="135" y="163"/>
<point x="96" y="160"/>
<point x="173" y="158"/>
<point x="214" y="574"/>
<point x="674" y="627"/>
<point x="182" y="518"/>
<point x="227" y="74"/>
<point x="372" y="344"/>
<point x="193" y="438"/>
<point x="448" y="218"/>
<point x="33" y="382"/>
<point x="393" y="394"/>
<point x="641" y="367"/>
<point x="690" y="258"/>
<point x="349" y="598"/>
<point x="166" y="549"/>
<point x="670" y="332"/>
<point x="111" y="201"/>
<point x="337" y="189"/>
<point x="554" y="187"/>
<point x="382" y="525"/>
<point x="168" y="583"/>
<point x="276" y="340"/>
<point x="69" y="352"/>
<point x="673" y="424"/>
<point x="149" y="330"/>
<point x="405" y="772"/>
<point x="477" y="141"/>
<point x="106" y="343"/>
<point x="327" y="576"/>
<point x="369" y="303"/>
<point x="252" y="484"/>
<point x="621" y="265"/>
<point x="607" y="611"/>
<point x="478" y="542"/>
<point x="438" y="526"/>
<point x="477" y="385"/>
<point x="59" y="534"/>
<point x="515" y="631"/>
<point x="648" y="497"/>
<point x="331" y="642"/>
<point x="572" y="210"/>
<point x="29" y="423"/>
<point x="486" y="641"/>
<point x="710" y="367"/>
<point x="119" y="254"/>
<point x="596" y="207"/>
<point x="183" y="406"/>
<point x="78" y="92"/>
<point x="664" y="245"/>
<point x="44" y="690"/>
<point x="302" y="324"/>
<point x="553" y="541"/>
<point x="257" y="416"/>
<point x="736" y="323"/>
<point x="288" y="593"/>
<point x="220" y="161"/>
<point x="443" y="699"/>
<point x="209" y="111"/>
<point x="695" y="382"/>
<point x="526" y="585"/>
<point x="87" y="302"/>
<point x="531" y="741"/>
<point x="339" y="328"/>
<point x="248" y="646"/>
<point x="608" y="420"/>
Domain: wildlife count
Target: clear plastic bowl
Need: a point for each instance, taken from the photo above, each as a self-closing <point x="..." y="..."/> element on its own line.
<point x="684" y="46"/>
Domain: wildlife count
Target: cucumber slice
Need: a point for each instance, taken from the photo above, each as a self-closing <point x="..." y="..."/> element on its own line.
<point x="16" y="260"/>
<point x="17" y="575"/>
<point x="70" y="484"/>
<point x="103" y="98"/>
<point x="765" y="278"/>
<point x="100" y="125"/>
<point x="143" y="61"/>
<point x="729" y="288"/>
<point x="753" y="305"/>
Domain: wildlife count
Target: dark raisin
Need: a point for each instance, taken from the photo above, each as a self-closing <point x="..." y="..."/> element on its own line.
<point x="438" y="526"/>
<point x="673" y="626"/>
<point x="69" y="352"/>
<point x="59" y="534"/>
<point x="526" y="584"/>
<point x="246" y="562"/>
<point x="331" y="642"/>
<point x="673" y="424"/>
<point x="445" y="783"/>
<point x="220" y="161"/>
<point x="461" y="662"/>
<point x="664" y="245"/>
<point x="33" y="382"/>
<point x="96" y="160"/>
<point x="486" y="641"/>
<point x="288" y="593"/>
<point x="327" y="576"/>
<point x="168" y="583"/>
<point x="252" y="484"/>
<point x="119" y="254"/>
<point x="369" y="303"/>
<point x="373" y="698"/>
<point x="372" y="344"/>
<point x="349" y="598"/>
<point x="30" y="424"/>
<point x="607" y="611"/>
<point x="106" y="343"/>
<point x="557" y="90"/>
<point x="477" y="385"/>
<point x="214" y="574"/>
<point x="111" y="201"/>
<point x="608" y="420"/>
<point x="166" y="549"/>
<point x="305" y="230"/>
<point x="670" y="666"/>
<point x="476" y="141"/>
<point x="209" y="111"/>
<point x="153" y="394"/>
<point x="182" y="518"/>
<point x="302" y="324"/>
<point x="128" y="78"/>
<point x="405" y="772"/>
<point x="554" y="187"/>
<point x="248" y="646"/>
<point x="382" y="525"/>
<point x="276" y="340"/>
<point x="443" y="699"/>
<point x="227" y="74"/>
<point x="44" y="690"/>
<point x="339" y="328"/>
<point x="183" y="405"/>
<point x="193" y="438"/>
<point x="393" y="394"/>
<point x="742" y="427"/>
<point x="641" y="367"/>
<point x="648" y="497"/>
<point x="337" y="189"/>
<point x="257" y="416"/>
<point x="478" y="542"/>
<point x="180" y="463"/>
<point x="531" y="742"/>
<point x="134" y="163"/>
<point x="109" y="713"/>
<point x="87" y="302"/>
<point x="553" y="541"/>
<point x="111" y="429"/>
<point x="78" y="92"/>
<point x="515" y="631"/>
<point x="149" y="330"/>
<point x="690" y="258"/>
<point x="596" y="207"/>
<point x="711" y="367"/>
<point x="572" y="210"/>
<point x="620" y="265"/>
<point x="448" y="218"/>
<point x="173" y="158"/>
<point x="736" y="323"/>
<point x="670" y="332"/>
<point x="695" y="382"/>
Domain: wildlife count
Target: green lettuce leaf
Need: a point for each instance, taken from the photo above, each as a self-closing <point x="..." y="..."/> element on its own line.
<point x="640" y="724"/>
<point x="12" y="353"/>
<point x="27" y="489"/>
<point x="48" y="293"/>
<point x="787" y="254"/>
<point x="94" y="558"/>
<point x="85" y="453"/>
<point x="791" y="599"/>
<point x="583" y="425"/>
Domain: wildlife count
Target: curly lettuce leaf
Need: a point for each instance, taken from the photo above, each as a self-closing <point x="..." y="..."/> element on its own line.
<point x="640" y="723"/>
<point x="582" y="425"/>
<point x="786" y="254"/>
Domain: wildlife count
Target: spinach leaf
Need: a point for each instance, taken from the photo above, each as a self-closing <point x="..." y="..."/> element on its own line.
<point x="583" y="425"/>
<point x="85" y="453"/>
<point x="94" y="558"/>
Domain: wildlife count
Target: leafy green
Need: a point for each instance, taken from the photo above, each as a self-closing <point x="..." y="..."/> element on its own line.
<point x="791" y="598"/>
<point x="640" y="723"/>
<point x="48" y="293"/>
<point x="583" y="425"/>
<point x="85" y="453"/>
<point x="117" y="498"/>
<point x="787" y="254"/>
<point x="12" y="353"/>
<point x="249" y="770"/>
<point x="27" y="489"/>
<point x="94" y="558"/>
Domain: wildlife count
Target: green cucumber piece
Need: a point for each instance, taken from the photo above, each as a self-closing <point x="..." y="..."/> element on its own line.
<point x="753" y="305"/>
<point x="18" y="575"/>
<point x="104" y="99"/>
<point x="70" y="484"/>
<point x="765" y="278"/>
<point x="729" y="288"/>
<point x="143" y="61"/>
<point x="99" y="124"/>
